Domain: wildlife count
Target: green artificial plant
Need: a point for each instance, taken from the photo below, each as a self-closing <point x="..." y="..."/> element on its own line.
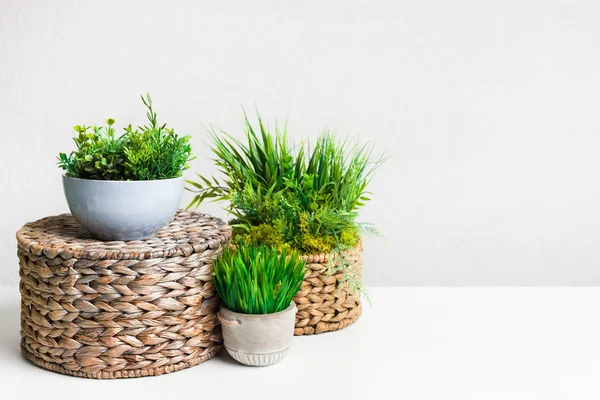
<point x="253" y="279"/>
<point x="291" y="197"/>
<point x="148" y="152"/>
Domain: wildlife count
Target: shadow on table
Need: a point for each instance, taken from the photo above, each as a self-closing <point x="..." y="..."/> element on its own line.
<point x="224" y="357"/>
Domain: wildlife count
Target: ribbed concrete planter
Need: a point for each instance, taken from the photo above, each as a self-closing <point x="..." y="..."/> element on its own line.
<point x="258" y="340"/>
<point x="325" y="305"/>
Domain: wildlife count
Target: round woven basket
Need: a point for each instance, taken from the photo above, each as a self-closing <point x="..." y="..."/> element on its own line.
<point x="324" y="305"/>
<point x="119" y="309"/>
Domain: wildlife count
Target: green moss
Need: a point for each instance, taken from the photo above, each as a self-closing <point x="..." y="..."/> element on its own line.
<point x="349" y="237"/>
<point x="309" y="244"/>
<point x="298" y="236"/>
<point x="303" y="241"/>
<point x="268" y="235"/>
<point x="303" y="223"/>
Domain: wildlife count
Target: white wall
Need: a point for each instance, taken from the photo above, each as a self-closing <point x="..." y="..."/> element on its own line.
<point x="489" y="110"/>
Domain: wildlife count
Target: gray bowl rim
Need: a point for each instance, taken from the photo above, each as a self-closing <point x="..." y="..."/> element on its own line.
<point x="124" y="182"/>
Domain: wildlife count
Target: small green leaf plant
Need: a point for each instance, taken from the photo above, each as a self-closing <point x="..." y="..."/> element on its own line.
<point x="99" y="153"/>
<point x="148" y="152"/>
<point x="291" y="197"/>
<point x="257" y="279"/>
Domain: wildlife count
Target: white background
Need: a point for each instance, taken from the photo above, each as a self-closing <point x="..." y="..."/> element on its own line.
<point x="489" y="111"/>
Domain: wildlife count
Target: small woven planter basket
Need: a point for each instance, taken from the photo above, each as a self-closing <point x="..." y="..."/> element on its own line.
<point x="119" y="309"/>
<point x="323" y="304"/>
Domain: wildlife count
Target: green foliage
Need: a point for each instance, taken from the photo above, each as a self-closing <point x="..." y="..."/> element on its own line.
<point x="99" y="154"/>
<point x="255" y="279"/>
<point x="286" y="196"/>
<point x="268" y="235"/>
<point x="148" y="152"/>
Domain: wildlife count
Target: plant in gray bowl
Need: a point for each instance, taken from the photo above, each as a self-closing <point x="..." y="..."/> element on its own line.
<point x="257" y="285"/>
<point x="125" y="187"/>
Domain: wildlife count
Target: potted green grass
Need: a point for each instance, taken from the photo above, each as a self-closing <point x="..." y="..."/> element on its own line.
<point x="303" y="198"/>
<point x="257" y="284"/>
<point x="125" y="187"/>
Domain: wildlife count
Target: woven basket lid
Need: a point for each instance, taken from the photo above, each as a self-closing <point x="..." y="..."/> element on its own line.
<point x="62" y="236"/>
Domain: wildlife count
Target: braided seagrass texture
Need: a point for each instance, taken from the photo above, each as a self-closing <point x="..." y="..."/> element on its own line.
<point x="323" y="304"/>
<point x="119" y="309"/>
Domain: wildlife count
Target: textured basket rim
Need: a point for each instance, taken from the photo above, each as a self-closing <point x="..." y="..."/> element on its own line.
<point x="325" y="257"/>
<point x="94" y="249"/>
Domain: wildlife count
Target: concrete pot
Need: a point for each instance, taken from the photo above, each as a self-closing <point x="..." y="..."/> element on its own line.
<point x="123" y="210"/>
<point x="258" y="340"/>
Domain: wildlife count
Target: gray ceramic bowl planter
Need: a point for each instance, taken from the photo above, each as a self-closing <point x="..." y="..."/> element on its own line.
<point x="123" y="210"/>
<point x="258" y="340"/>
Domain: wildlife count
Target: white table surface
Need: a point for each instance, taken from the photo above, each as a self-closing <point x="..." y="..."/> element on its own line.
<point x="413" y="343"/>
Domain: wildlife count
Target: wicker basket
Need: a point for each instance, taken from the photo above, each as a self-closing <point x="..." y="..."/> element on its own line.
<point x="119" y="309"/>
<point x="323" y="304"/>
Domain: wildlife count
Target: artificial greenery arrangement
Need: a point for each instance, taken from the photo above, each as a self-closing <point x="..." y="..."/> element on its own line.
<point x="298" y="198"/>
<point x="257" y="279"/>
<point x="148" y="152"/>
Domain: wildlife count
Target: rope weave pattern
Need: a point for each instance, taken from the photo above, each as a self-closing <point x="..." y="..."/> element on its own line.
<point x="119" y="309"/>
<point x="323" y="304"/>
